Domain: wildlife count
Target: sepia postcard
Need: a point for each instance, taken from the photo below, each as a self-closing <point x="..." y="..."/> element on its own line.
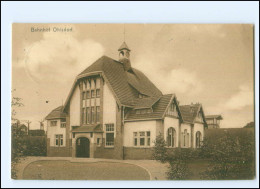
<point x="133" y="102"/>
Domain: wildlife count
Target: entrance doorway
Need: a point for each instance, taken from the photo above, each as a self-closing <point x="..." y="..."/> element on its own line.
<point x="82" y="147"/>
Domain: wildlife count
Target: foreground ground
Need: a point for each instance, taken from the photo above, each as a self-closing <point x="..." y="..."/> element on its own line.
<point x="89" y="169"/>
<point x="66" y="170"/>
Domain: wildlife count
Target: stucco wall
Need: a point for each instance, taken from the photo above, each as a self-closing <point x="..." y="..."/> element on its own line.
<point x="131" y="127"/>
<point x="109" y="107"/>
<point x="159" y="127"/>
<point x="55" y="130"/>
<point x="75" y="108"/>
<point x="188" y="127"/>
<point x="171" y="122"/>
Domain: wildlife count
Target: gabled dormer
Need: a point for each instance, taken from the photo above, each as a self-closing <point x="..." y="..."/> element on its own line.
<point x="172" y="109"/>
<point x="199" y="117"/>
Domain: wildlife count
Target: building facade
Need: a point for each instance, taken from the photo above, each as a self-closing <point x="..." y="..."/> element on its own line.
<point x="213" y="121"/>
<point x="114" y="111"/>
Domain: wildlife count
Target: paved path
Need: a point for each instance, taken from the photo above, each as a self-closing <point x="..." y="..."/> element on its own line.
<point x="155" y="169"/>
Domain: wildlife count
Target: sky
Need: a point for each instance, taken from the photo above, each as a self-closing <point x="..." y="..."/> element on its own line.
<point x="207" y="63"/>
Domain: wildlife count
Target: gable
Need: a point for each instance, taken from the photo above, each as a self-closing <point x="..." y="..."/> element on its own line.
<point x="172" y="109"/>
<point x="199" y="117"/>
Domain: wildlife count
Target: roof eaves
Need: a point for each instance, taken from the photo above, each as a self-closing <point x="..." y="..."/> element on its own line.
<point x="89" y="74"/>
<point x="144" y="119"/>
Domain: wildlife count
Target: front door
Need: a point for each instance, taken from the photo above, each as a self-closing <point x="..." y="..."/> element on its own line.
<point x="83" y="146"/>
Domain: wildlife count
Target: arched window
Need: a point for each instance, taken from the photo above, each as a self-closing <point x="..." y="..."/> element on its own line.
<point x="171" y="137"/>
<point x="185" y="138"/>
<point x="198" y="139"/>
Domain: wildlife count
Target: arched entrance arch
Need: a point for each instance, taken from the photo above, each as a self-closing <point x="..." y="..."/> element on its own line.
<point x="82" y="147"/>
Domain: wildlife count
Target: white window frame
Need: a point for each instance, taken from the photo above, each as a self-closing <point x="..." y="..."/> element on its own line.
<point x="98" y="93"/>
<point x="110" y="130"/>
<point x="56" y="123"/>
<point x="185" y="139"/>
<point x="137" y="136"/>
<point x="60" y="139"/>
<point x="63" y="125"/>
<point x="172" y="136"/>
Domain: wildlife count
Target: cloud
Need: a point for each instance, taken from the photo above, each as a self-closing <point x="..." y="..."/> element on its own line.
<point x="238" y="110"/>
<point x="59" y="57"/>
<point x="177" y="80"/>
<point x="241" y="99"/>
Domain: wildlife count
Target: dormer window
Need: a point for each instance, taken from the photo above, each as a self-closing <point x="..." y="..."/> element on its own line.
<point x="143" y="111"/>
<point x="141" y="95"/>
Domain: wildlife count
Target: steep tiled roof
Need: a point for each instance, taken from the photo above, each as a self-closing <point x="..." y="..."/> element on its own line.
<point x="56" y="113"/>
<point x="126" y="85"/>
<point x="189" y="112"/>
<point x="158" y="110"/>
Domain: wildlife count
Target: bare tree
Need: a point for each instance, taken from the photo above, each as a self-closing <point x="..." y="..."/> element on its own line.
<point x="16" y="102"/>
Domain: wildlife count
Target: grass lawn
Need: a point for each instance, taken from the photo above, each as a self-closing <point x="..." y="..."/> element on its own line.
<point x="65" y="170"/>
<point x="196" y="167"/>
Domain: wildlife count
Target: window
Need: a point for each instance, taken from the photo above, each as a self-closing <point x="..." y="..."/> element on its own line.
<point x="142" y="138"/>
<point x="93" y="114"/>
<point x="110" y="135"/>
<point x="88" y="94"/>
<point x="58" y="140"/>
<point x="53" y="123"/>
<point x="83" y="95"/>
<point x="171" y="135"/>
<point x="83" y="115"/>
<point x="98" y="114"/>
<point x="148" y="138"/>
<point x="210" y="121"/>
<point x="185" y="138"/>
<point x="99" y="142"/>
<point x="198" y="139"/>
<point x="84" y="85"/>
<point x="135" y="139"/>
<point x="98" y="92"/>
<point x="93" y="94"/>
<point x="88" y="115"/>
<point x="63" y="124"/>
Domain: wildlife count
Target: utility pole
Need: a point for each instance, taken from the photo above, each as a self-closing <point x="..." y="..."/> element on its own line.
<point x="41" y="125"/>
<point x="28" y="124"/>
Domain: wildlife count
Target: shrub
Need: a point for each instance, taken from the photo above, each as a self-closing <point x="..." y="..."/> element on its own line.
<point x="176" y="158"/>
<point x="26" y="146"/>
<point x="232" y="156"/>
<point x="160" y="151"/>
